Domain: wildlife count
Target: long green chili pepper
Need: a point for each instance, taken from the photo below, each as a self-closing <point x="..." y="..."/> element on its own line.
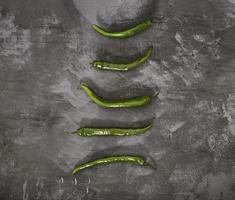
<point x="89" y="132"/>
<point x="99" y="64"/>
<point x="109" y="160"/>
<point x="126" y="33"/>
<point x="120" y="103"/>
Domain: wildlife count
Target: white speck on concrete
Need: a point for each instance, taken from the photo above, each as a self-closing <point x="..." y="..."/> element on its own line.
<point x="25" y="194"/>
<point x="175" y="126"/>
<point x="158" y="155"/>
<point x="179" y="39"/>
<point x="62" y="180"/>
<point x="229" y="113"/>
<point x="199" y="38"/>
<point x="44" y="31"/>
<point x="15" y="41"/>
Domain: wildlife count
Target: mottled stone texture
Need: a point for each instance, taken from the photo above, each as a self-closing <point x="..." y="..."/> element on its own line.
<point x="46" y="47"/>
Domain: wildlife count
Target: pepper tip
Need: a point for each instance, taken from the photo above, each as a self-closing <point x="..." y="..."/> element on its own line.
<point x="82" y="85"/>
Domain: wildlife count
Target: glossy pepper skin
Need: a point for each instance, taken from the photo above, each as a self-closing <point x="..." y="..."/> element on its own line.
<point x="120" y="103"/>
<point x="104" y="65"/>
<point x="90" y="132"/>
<point x="109" y="160"/>
<point x="126" y="33"/>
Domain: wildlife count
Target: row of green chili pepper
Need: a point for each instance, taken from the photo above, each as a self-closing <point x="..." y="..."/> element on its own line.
<point x="118" y="103"/>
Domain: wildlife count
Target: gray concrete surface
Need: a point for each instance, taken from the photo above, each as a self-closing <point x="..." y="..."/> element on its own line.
<point x="45" y="50"/>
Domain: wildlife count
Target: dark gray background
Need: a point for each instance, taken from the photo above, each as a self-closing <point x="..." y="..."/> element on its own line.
<point x="45" y="50"/>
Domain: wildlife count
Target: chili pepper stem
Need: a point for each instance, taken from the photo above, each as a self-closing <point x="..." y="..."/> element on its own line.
<point x="67" y="132"/>
<point x="157" y="19"/>
<point x="150" y="166"/>
<point x="156" y="93"/>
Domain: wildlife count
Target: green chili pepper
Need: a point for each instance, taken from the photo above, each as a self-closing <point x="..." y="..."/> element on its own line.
<point x="108" y="160"/>
<point x="124" y="34"/>
<point x="120" y="103"/>
<point x="89" y="132"/>
<point x="99" y="64"/>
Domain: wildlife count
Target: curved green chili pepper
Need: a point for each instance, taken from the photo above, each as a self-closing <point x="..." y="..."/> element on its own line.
<point x="99" y="64"/>
<point x="120" y="103"/>
<point x="89" y="132"/>
<point x="108" y="160"/>
<point x="124" y="34"/>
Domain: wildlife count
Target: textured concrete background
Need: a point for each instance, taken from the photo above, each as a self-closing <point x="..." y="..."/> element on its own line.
<point x="45" y="50"/>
